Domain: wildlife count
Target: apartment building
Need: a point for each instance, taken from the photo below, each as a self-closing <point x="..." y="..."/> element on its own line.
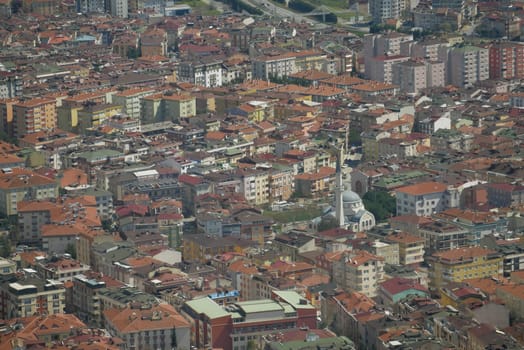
<point x="315" y="184"/>
<point x="279" y="66"/>
<point x="410" y="247"/>
<point x="506" y="60"/>
<point x="20" y="184"/>
<point x="382" y="10"/>
<point x="90" y="6"/>
<point x="86" y="302"/>
<point x="456" y="265"/>
<point x="62" y="269"/>
<point x="33" y="115"/>
<point x="31" y="296"/>
<point x="178" y="106"/>
<point x="504" y="195"/>
<point x="413" y="76"/>
<point x="384" y="44"/>
<point x="360" y="271"/>
<point x="380" y="68"/>
<point x="343" y="309"/>
<point x="246" y="321"/>
<point x="130" y="100"/>
<point x="202" y="72"/>
<point x="441" y="235"/>
<point x="10" y="85"/>
<point x="119" y="8"/>
<point x="478" y="224"/>
<point x="423" y="49"/>
<point x="437" y="19"/>
<point x="254" y="184"/>
<point x="149" y="326"/>
<point x="423" y="199"/>
<point x="7" y="267"/>
<point x="466" y="64"/>
<point x="31" y="216"/>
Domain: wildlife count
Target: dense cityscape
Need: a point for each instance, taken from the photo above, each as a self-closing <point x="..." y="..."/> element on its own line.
<point x="261" y="175"/>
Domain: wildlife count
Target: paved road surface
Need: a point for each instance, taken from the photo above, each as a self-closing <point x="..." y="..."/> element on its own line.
<point x="272" y="10"/>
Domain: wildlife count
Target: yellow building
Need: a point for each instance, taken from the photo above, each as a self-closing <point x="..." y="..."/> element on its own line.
<point x="33" y="115"/>
<point x="411" y="248"/>
<point x="310" y="60"/>
<point x="93" y="115"/>
<point x="68" y="117"/>
<point x="152" y="108"/>
<point x="177" y="106"/>
<point x="456" y="265"/>
<point x="130" y="100"/>
<point x="6" y="114"/>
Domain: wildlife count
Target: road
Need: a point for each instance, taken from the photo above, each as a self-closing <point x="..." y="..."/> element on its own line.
<point x="271" y="9"/>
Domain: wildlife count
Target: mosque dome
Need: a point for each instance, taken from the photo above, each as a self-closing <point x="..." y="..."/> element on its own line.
<point x="350" y="197"/>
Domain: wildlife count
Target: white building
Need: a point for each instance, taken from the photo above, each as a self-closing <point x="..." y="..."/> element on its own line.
<point x="466" y="65"/>
<point x="274" y="66"/>
<point x="423" y="199"/>
<point x="359" y="270"/>
<point x="130" y="101"/>
<point x="149" y="327"/>
<point x="381" y="10"/>
<point x="206" y="73"/>
<point x="380" y="68"/>
<point x="119" y="8"/>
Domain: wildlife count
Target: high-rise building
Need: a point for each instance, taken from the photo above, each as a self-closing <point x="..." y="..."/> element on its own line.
<point x="31" y="296"/>
<point x="455" y="265"/>
<point x="33" y="115"/>
<point x="506" y="60"/>
<point x="381" y="10"/>
<point x="118" y="8"/>
<point x="466" y="65"/>
<point x="380" y="68"/>
<point x="10" y="85"/>
<point x="90" y="6"/>
<point x="413" y="76"/>
<point x="385" y="44"/>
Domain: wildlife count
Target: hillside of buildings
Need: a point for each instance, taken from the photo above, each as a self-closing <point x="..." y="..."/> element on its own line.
<point x="261" y="175"/>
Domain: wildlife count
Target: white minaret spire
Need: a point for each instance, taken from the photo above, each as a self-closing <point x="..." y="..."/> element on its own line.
<point x="339" y="188"/>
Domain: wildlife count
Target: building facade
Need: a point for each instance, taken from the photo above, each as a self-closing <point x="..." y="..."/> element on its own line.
<point x="456" y="265"/>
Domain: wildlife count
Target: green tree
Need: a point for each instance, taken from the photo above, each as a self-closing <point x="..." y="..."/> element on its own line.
<point x="251" y="345"/>
<point x="71" y="250"/>
<point x="5" y="247"/>
<point x="327" y="223"/>
<point x="354" y="137"/>
<point x="381" y="204"/>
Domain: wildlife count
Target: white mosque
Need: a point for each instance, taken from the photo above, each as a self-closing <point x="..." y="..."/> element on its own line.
<point x="349" y="209"/>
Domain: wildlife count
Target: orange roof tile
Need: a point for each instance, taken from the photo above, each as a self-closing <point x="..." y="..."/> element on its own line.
<point x="423" y="188"/>
<point x="133" y="320"/>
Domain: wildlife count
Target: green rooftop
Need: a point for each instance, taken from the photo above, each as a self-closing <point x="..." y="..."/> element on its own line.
<point x="208" y="307"/>
<point x="398" y="179"/>
<point x="98" y="155"/>
<point x="294" y="299"/>
<point x="255" y="306"/>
